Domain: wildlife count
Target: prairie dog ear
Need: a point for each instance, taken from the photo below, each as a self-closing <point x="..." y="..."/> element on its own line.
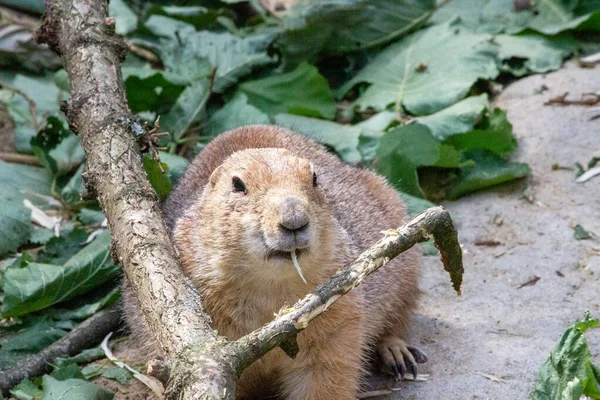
<point x="215" y="175"/>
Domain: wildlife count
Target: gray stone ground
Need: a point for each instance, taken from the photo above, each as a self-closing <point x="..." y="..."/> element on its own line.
<point x="497" y="328"/>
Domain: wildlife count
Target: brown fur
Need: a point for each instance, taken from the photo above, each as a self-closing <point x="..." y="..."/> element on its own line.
<point x="211" y="228"/>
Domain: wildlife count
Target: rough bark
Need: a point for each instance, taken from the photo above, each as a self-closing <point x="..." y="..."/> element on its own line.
<point x="85" y="335"/>
<point x="201" y="364"/>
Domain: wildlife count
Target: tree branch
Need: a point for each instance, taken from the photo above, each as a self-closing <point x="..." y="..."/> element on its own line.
<point x="201" y="365"/>
<point x="84" y="335"/>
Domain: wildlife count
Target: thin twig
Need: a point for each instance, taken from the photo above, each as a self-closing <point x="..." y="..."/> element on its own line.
<point x="591" y="100"/>
<point x="20" y="158"/>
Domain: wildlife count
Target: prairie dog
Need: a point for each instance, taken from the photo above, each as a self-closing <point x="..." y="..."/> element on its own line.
<point x="251" y="197"/>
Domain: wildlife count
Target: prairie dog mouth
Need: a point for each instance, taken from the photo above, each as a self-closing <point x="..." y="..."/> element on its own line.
<point x="285" y="255"/>
<point x="289" y="255"/>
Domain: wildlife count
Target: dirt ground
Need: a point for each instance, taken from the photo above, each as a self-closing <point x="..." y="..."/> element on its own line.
<point x="498" y="329"/>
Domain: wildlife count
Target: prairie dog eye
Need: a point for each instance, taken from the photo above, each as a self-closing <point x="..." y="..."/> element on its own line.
<point x="238" y="185"/>
<point x="314" y="179"/>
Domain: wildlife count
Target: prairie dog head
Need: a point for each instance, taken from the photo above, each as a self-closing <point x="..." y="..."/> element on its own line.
<point x="264" y="205"/>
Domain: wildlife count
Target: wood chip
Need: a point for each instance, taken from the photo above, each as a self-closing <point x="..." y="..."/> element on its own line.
<point x="492" y="378"/>
<point x="487" y="242"/>
<point x="530" y="282"/>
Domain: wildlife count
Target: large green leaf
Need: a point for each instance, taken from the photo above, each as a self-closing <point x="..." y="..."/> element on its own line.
<point x="197" y="16"/>
<point x="427" y="71"/>
<point x="545" y="16"/>
<point x="312" y="27"/>
<point x="486" y="169"/>
<point x="302" y="91"/>
<point x="57" y="148"/>
<point x="532" y="53"/>
<point x="149" y="90"/>
<point x="126" y="20"/>
<point x="458" y="118"/>
<point x="568" y="373"/>
<point x="72" y="389"/>
<point x="17" y="182"/>
<point x="344" y="139"/>
<point x="29" y="335"/>
<point x="15" y="220"/>
<point x="405" y="149"/>
<point x="175" y="166"/>
<point x="24" y="178"/>
<point x="234" y="114"/>
<point x="38" y="286"/>
<point x="232" y="56"/>
<point x="187" y="110"/>
<point x="494" y="133"/>
<point x="45" y="94"/>
<point x="157" y="178"/>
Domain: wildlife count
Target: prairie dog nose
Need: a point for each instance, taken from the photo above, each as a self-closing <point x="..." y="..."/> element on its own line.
<point x="294" y="215"/>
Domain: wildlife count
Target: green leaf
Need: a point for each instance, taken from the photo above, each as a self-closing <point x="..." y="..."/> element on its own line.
<point x="187" y="110"/>
<point x="40" y="235"/>
<point x="197" y="16"/>
<point x="494" y="134"/>
<point x="175" y="166"/>
<point x="112" y="372"/>
<point x="234" y="114"/>
<point x="34" y="335"/>
<point x="163" y="26"/>
<point x="532" y="53"/>
<point x="232" y="56"/>
<point x="60" y="249"/>
<point x="452" y="59"/>
<point x="39" y="286"/>
<point x="73" y="389"/>
<point x="580" y="233"/>
<point x="568" y="371"/>
<point x="90" y="217"/>
<point x="314" y="27"/>
<point x="44" y="93"/>
<point x="16" y="183"/>
<point x="405" y="149"/>
<point x="458" y="118"/>
<point x="125" y="18"/>
<point x="159" y="181"/>
<point x="117" y="373"/>
<point x="545" y="16"/>
<point x="26" y="390"/>
<point x="342" y="138"/>
<point x="487" y="170"/>
<point x="86" y="356"/>
<point x="15" y="220"/>
<point x="68" y="371"/>
<point x="71" y="192"/>
<point x="311" y="94"/>
<point x="149" y="90"/>
<point x="57" y="148"/>
<point x="24" y="178"/>
<point x="87" y="305"/>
